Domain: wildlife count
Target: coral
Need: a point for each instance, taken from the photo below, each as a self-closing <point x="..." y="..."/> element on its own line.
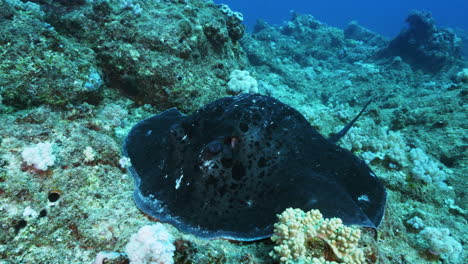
<point x="104" y="257"/>
<point x="386" y="144"/>
<point x="228" y="12"/>
<point x="40" y="155"/>
<point x="89" y="154"/>
<point x="425" y="169"/>
<point x="234" y="24"/>
<point x="297" y="229"/>
<point x="241" y="82"/>
<point x="441" y="243"/>
<point x="416" y="223"/>
<point x="393" y="149"/>
<point x="152" y="244"/>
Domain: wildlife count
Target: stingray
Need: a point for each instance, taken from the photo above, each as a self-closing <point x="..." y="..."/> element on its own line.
<point x="229" y="168"/>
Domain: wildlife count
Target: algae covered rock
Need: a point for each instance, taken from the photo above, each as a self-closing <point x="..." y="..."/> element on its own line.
<point x="360" y="33"/>
<point x="38" y="64"/>
<point x="166" y="53"/>
<point x="425" y="46"/>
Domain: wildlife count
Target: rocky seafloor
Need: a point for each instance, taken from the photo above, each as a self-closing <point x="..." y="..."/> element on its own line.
<point x="75" y="76"/>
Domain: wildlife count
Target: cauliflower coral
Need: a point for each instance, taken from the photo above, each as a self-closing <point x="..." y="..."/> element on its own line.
<point x="241" y="82"/>
<point x="296" y="230"/>
<point x="152" y="244"/>
<point x="40" y="155"/>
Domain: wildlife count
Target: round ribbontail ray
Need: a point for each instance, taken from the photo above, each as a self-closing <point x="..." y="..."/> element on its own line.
<point x="229" y="168"/>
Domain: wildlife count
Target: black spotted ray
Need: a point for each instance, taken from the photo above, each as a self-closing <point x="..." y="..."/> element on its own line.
<point x="230" y="167"/>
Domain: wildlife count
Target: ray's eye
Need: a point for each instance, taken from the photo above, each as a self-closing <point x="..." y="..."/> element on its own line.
<point x="214" y="147"/>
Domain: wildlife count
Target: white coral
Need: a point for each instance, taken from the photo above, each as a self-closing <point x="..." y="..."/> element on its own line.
<point x="242" y="82"/>
<point x="425" y="169"/>
<point x="152" y="244"/>
<point x="389" y="145"/>
<point x="40" y="155"/>
<point x="441" y="243"/>
<point x="416" y="223"/>
<point x="89" y="154"/>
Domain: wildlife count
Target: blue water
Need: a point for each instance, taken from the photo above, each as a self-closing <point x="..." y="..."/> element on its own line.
<point x="384" y="17"/>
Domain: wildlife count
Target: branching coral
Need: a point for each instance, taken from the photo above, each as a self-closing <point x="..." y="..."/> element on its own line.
<point x="296" y="230"/>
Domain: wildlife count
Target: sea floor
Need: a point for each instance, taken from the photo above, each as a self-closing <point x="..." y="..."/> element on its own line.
<point x="70" y="196"/>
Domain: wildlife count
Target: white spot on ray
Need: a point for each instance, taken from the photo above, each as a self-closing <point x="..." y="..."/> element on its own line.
<point x="178" y="181"/>
<point x="363" y="198"/>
